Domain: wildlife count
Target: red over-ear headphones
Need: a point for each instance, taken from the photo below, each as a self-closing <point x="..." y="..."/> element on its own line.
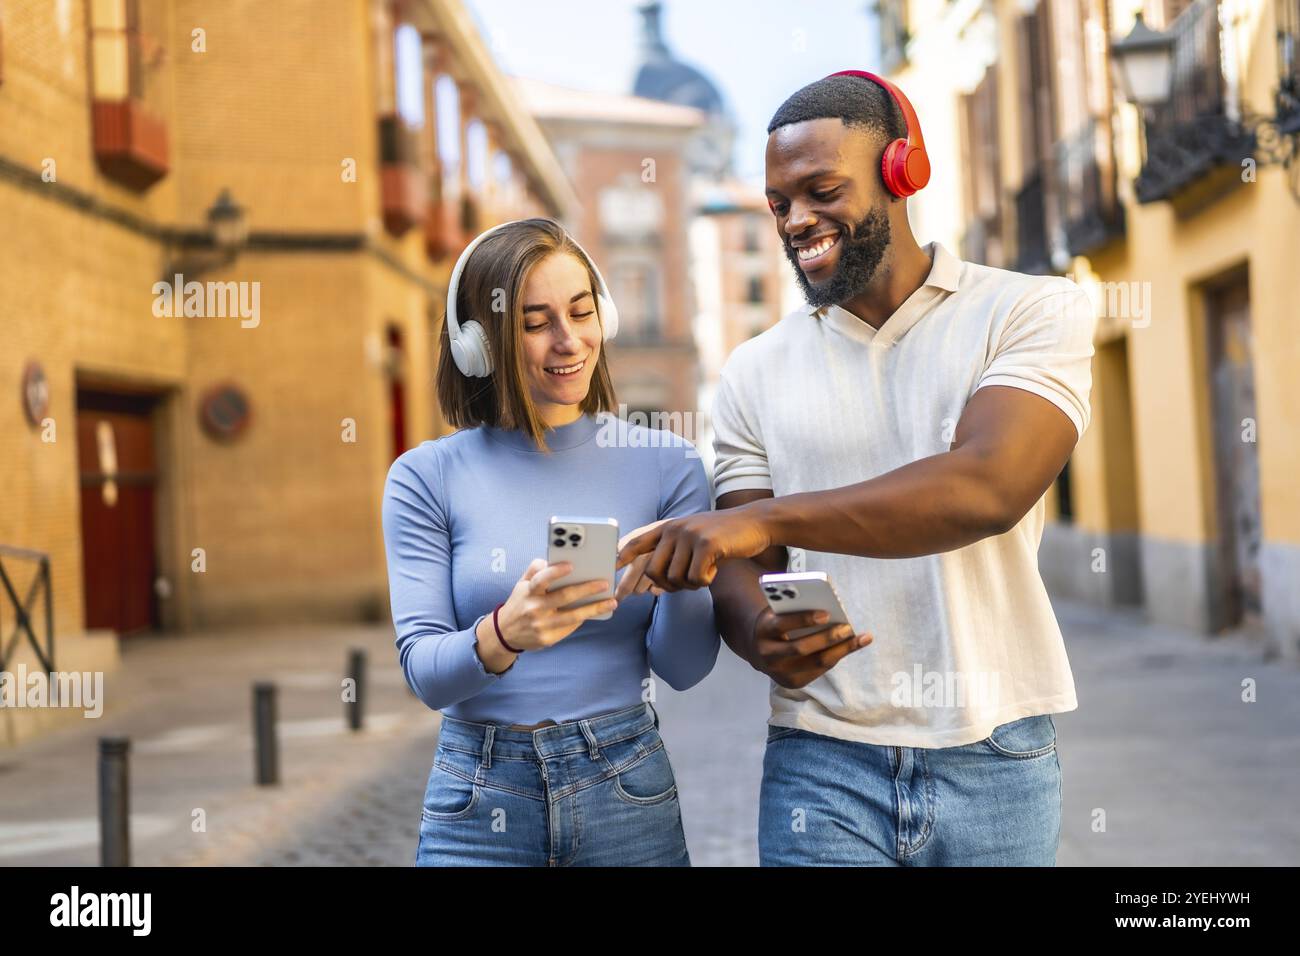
<point x="905" y="165"/>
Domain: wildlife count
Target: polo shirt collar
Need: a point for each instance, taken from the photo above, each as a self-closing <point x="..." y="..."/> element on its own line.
<point x="942" y="280"/>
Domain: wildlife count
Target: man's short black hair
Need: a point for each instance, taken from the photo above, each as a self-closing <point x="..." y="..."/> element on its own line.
<point x="854" y="100"/>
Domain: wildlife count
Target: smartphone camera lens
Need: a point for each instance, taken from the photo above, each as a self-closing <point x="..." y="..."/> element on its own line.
<point x="790" y="593"/>
<point x="560" y="532"/>
<point x="559" y="542"/>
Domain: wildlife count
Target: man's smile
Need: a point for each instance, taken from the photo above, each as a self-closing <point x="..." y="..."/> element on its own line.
<point x="816" y="253"/>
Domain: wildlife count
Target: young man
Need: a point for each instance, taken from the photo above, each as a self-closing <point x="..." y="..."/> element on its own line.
<point x="901" y="430"/>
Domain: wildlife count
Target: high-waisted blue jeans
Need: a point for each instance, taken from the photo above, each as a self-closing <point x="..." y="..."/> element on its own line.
<point x="831" y="802"/>
<point x="595" y="792"/>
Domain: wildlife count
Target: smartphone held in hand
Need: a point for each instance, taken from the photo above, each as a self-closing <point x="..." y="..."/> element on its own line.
<point x="591" y="546"/>
<point x="803" y="591"/>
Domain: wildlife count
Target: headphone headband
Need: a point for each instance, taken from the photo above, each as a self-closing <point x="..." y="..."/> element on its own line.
<point x="905" y="164"/>
<point x="910" y="120"/>
<point x="458" y="336"/>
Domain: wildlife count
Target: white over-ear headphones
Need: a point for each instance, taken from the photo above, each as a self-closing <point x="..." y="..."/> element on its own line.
<point x="469" y="344"/>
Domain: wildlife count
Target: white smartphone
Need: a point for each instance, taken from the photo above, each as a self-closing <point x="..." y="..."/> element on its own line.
<point x="591" y="546"/>
<point x="803" y="591"/>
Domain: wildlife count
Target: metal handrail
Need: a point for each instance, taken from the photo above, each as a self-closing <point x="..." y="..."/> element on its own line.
<point x="23" y="608"/>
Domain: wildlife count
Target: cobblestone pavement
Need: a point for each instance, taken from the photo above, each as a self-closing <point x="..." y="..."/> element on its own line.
<point x="1183" y="770"/>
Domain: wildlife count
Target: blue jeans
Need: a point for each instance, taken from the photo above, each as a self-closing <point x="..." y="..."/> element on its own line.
<point x="830" y="802"/>
<point x="595" y="792"/>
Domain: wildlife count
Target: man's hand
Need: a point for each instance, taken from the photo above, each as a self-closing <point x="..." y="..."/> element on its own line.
<point x="797" y="662"/>
<point x="634" y="580"/>
<point x="684" y="552"/>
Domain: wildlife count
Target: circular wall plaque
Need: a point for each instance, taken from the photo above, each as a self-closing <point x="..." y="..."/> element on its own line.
<point x="36" y="392"/>
<point x="224" y="411"/>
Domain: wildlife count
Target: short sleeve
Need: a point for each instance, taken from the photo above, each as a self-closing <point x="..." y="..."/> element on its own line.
<point x="741" y="458"/>
<point x="1046" y="348"/>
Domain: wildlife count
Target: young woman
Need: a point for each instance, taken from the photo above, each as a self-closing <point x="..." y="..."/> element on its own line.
<point x="548" y="753"/>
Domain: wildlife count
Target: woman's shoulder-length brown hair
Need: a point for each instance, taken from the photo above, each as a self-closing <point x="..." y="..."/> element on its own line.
<point x="503" y="261"/>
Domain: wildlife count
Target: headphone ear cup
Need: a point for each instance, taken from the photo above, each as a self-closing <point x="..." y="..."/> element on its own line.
<point x="890" y="168"/>
<point x="608" y="316"/>
<point x="906" y="168"/>
<point x="470" y="351"/>
<point x="916" y="167"/>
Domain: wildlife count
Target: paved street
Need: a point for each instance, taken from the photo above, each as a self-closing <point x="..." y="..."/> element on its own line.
<point x="1184" y="771"/>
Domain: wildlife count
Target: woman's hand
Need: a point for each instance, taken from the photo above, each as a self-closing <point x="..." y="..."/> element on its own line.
<point x="531" y="618"/>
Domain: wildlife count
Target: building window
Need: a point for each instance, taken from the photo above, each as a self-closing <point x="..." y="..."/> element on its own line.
<point x="476" y="160"/>
<point x="751" y="228"/>
<point x="891" y="16"/>
<point x="755" y="294"/>
<point x="447" y="97"/>
<point x="1064" y="496"/>
<point x="635" y="287"/>
<point x="1288" y="58"/>
<point x="130" y="139"/>
<point x="982" y="240"/>
<point x="408" y="52"/>
<point x="630" y="213"/>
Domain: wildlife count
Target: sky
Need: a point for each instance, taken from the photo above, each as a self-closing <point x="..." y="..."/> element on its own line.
<point x="757" y="52"/>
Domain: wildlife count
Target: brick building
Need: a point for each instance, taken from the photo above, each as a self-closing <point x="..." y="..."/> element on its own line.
<point x="629" y="157"/>
<point x="1179" y="219"/>
<point x="226" y="465"/>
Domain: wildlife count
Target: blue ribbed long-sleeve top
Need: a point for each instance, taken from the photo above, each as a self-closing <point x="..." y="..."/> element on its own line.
<point x="463" y="517"/>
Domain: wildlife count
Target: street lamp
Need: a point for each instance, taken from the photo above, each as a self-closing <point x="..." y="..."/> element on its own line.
<point x="227" y="234"/>
<point x="1145" y="59"/>
<point x="229" y="224"/>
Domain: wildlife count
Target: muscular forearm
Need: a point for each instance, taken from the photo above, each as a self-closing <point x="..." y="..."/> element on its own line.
<point x="936" y="504"/>
<point x="738" y="598"/>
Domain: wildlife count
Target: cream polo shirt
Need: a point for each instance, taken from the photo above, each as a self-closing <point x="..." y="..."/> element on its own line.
<point x="965" y="640"/>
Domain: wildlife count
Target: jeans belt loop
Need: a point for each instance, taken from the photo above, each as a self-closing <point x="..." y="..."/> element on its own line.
<point x="593" y="750"/>
<point x="487" y="746"/>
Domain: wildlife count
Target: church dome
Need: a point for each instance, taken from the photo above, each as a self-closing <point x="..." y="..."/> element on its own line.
<point x="663" y="77"/>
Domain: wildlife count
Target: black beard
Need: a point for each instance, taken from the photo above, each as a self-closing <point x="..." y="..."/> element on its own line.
<point x="861" y="253"/>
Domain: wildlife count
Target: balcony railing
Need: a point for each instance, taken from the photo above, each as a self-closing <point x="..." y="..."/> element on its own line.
<point x="128" y="132"/>
<point x="1288" y="65"/>
<point x="1087" y="201"/>
<point x="982" y="241"/>
<point x="23" y="607"/>
<point x="402" y="182"/>
<point x="1033" y="253"/>
<point x="893" y="33"/>
<point x="1193" y="135"/>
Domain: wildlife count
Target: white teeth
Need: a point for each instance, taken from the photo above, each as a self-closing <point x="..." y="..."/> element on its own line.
<point x="812" y="252"/>
<point x="567" y="369"/>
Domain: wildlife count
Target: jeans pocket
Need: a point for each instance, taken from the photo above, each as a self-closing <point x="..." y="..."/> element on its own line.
<point x="1025" y="738"/>
<point x="648" y="781"/>
<point x="452" y="790"/>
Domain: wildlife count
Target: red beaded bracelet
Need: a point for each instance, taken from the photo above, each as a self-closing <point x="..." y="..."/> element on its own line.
<point x="504" y="643"/>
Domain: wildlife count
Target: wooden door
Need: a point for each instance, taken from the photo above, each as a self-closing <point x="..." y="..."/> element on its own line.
<point x="118" y="471"/>
<point x="1236" y="450"/>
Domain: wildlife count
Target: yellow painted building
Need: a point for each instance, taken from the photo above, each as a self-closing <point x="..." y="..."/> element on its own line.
<point x="1182" y="221"/>
<point x="226" y="465"/>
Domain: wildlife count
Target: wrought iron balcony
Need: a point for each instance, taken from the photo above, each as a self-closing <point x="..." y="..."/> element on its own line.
<point x="1087" y="201"/>
<point x="1194" y="134"/>
<point x="24" y="608"/>
<point x="1033" y="252"/>
<point x="982" y="241"/>
<point x="402" y="182"/>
